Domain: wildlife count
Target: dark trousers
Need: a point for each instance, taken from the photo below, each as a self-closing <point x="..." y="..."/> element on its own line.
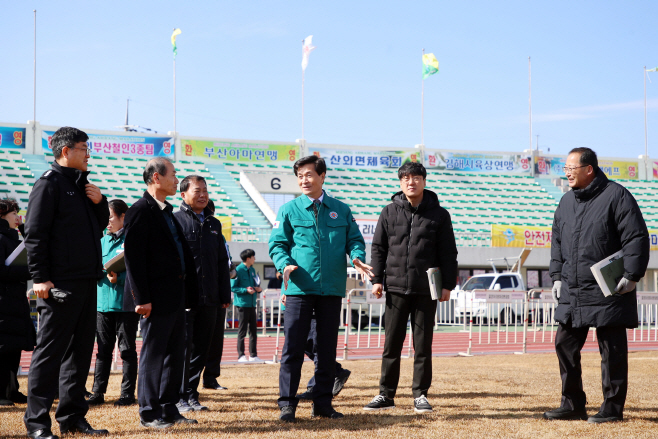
<point x="110" y="327"/>
<point x="9" y="362"/>
<point x="298" y="316"/>
<point x="65" y="344"/>
<point x="311" y="352"/>
<point x="248" y="319"/>
<point x="161" y="365"/>
<point x="215" y="350"/>
<point x="200" y="324"/>
<point x="613" y="346"/>
<point x="399" y="308"/>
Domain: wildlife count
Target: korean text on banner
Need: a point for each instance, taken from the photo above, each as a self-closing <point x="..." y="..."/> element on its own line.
<point x="503" y="235"/>
<point x="618" y="169"/>
<point x="473" y="162"/>
<point x="118" y="145"/>
<point x="365" y="159"/>
<point x="12" y="137"/>
<point x="227" y="226"/>
<point x="240" y="151"/>
<point x="367" y="228"/>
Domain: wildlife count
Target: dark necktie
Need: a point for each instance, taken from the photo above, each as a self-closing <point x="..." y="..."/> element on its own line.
<point x="316" y="206"/>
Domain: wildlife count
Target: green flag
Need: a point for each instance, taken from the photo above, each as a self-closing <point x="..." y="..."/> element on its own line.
<point x="430" y="65"/>
<point x="173" y="39"/>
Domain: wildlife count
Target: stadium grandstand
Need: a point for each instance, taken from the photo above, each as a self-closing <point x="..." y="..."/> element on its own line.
<point x="497" y="200"/>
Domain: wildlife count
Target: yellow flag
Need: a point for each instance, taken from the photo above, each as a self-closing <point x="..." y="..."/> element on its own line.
<point x="173" y="39"/>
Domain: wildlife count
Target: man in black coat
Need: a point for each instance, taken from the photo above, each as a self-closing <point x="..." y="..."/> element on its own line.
<point x="414" y="233"/>
<point x="593" y="221"/>
<point x="65" y="222"/>
<point x="162" y="282"/>
<point x="203" y="233"/>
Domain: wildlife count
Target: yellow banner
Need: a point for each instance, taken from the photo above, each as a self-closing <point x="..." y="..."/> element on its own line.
<point x="227" y="226"/>
<point x="503" y="235"/>
<point x="619" y="169"/>
<point x="653" y="237"/>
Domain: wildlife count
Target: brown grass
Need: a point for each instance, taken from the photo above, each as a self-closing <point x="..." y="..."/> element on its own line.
<point x="486" y="396"/>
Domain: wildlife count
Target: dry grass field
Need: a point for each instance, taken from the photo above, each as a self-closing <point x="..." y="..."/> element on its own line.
<point x="499" y="396"/>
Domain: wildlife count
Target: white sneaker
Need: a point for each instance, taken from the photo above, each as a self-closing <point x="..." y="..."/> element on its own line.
<point x="255" y="360"/>
<point x="242" y="359"/>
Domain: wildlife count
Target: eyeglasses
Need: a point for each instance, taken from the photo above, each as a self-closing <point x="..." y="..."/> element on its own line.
<point x="415" y="179"/>
<point x="570" y="170"/>
<point x="88" y="150"/>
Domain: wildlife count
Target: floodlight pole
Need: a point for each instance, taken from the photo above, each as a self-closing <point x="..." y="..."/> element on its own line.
<point x="646" y="137"/>
<point x="530" y="99"/>
<point x="34" y="89"/>
<point x="422" y="109"/>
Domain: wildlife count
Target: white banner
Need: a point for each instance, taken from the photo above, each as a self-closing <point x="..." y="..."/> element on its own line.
<point x="499" y="296"/>
<point x="367" y="228"/>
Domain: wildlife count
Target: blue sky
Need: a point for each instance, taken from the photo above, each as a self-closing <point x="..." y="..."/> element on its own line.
<point x="239" y="73"/>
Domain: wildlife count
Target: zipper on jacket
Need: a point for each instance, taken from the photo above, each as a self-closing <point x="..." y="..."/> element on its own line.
<point x="317" y="229"/>
<point x="411" y="227"/>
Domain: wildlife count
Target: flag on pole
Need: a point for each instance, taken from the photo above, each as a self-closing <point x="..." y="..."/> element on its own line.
<point x="655" y="69"/>
<point x="430" y="65"/>
<point x="173" y="39"/>
<point x="307" y="48"/>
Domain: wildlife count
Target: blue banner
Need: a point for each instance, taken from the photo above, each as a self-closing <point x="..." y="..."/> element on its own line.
<point x="118" y="145"/>
<point x="12" y="137"/>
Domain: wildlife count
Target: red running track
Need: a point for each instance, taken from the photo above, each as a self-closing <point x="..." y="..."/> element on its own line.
<point x="444" y="344"/>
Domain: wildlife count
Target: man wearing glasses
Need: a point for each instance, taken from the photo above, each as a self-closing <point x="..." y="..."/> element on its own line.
<point x="414" y="233"/>
<point x="65" y="222"/>
<point x="596" y="219"/>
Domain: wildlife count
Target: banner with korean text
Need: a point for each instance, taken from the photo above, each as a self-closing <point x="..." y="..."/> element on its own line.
<point x="367" y="228"/>
<point x="613" y="169"/>
<point x="12" y="137"/>
<point x="474" y="162"/>
<point x="364" y="159"/>
<point x="240" y="151"/>
<point x="503" y="235"/>
<point x="119" y="145"/>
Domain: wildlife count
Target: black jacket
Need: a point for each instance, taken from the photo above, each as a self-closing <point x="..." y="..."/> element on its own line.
<point x="210" y="257"/>
<point x="589" y="225"/>
<point x="16" y="328"/>
<point x="408" y="241"/>
<point x="153" y="269"/>
<point x="63" y="227"/>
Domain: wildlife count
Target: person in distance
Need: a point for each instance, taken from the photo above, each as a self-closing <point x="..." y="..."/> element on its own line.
<point x="246" y="287"/>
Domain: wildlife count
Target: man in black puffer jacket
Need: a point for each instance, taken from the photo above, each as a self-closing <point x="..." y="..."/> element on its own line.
<point x="414" y="233"/>
<point x="65" y="221"/>
<point x="593" y="221"/>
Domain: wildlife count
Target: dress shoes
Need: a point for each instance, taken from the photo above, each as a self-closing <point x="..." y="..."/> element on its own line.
<point x="82" y="426"/>
<point x="325" y="412"/>
<point x="565" y="414"/>
<point x="602" y="417"/>
<point x="156" y="423"/>
<point x="214" y="386"/>
<point x="180" y="419"/>
<point x="43" y="433"/>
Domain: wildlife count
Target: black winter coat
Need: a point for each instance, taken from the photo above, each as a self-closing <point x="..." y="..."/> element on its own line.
<point x="153" y="268"/>
<point x="16" y="328"/>
<point x="589" y="225"/>
<point x="408" y="241"/>
<point x="210" y="257"/>
<point x="64" y="228"/>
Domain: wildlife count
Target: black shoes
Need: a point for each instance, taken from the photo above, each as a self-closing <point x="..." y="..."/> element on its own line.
<point x="287" y="413"/>
<point x="380" y="402"/>
<point x="96" y="399"/>
<point x="6" y="402"/>
<point x="82" y="426"/>
<point x="325" y="412"/>
<point x="340" y="381"/>
<point x="214" y="386"/>
<point x="156" y="423"/>
<point x="43" y="433"/>
<point x="180" y="419"/>
<point x="125" y="400"/>
<point x="18" y="397"/>
<point x="565" y="414"/>
<point x="306" y="396"/>
<point x="601" y="417"/>
<point x="422" y="405"/>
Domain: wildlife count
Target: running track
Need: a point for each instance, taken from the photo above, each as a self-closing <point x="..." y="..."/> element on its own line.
<point x="444" y="344"/>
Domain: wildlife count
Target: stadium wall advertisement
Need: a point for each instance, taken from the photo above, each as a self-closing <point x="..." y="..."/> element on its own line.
<point x="367" y="228"/>
<point x="614" y="169"/>
<point x="12" y="137"/>
<point x="364" y="159"/>
<point x="504" y="235"/>
<point x="240" y="151"/>
<point x="475" y="162"/>
<point x="118" y="145"/>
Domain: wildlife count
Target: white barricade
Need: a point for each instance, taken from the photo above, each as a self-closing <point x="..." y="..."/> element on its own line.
<point x="647" y="303"/>
<point x="501" y="306"/>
